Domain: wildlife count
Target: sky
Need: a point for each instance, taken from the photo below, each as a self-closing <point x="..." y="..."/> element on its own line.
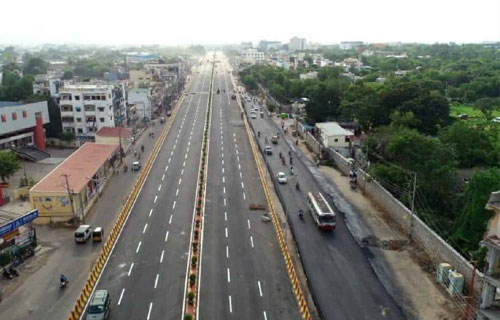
<point x="167" y="22"/>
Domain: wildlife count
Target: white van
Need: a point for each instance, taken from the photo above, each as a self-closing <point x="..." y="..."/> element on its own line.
<point x="82" y="234"/>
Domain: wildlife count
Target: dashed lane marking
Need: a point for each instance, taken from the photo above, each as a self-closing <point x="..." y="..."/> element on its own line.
<point x="145" y="228"/>
<point x="130" y="269"/>
<point x="138" y="247"/>
<point x="166" y="236"/>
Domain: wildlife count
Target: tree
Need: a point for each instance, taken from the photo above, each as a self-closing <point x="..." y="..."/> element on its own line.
<point x="473" y="145"/>
<point x="15" y="88"/>
<point x="54" y="127"/>
<point x="67" y="75"/>
<point x="35" y="66"/>
<point x="9" y="164"/>
<point x="487" y="106"/>
<point x="474" y="217"/>
<point x="431" y="110"/>
<point x="402" y="120"/>
<point x="67" y="136"/>
<point x="250" y="82"/>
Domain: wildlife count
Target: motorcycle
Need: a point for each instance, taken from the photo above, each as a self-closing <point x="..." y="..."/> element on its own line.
<point x="63" y="283"/>
<point x="301" y="214"/>
<point x="297" y="186"/>
<point x="7" y="274"/>
<point x="13" y="272"/>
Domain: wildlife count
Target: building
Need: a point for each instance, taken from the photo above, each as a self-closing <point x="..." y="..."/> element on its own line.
<point x="252" y="56"/>
<point x="46" y="85"/>
<point x="69" y="191"/>
<point x="22" y="124"/>
<point x="332" y="135"/>
<point x="85" y="108"/>
<point x="297" y="44"/>
<point x="17" y="232"/>
<point x="140" y="57"/>
<point x="309" y="75"/>
<point x="246" y="45"/>
<point x="490" y="305"/>
<point x="140" y="78"/>
<point x="117" y="135"/>
<point x="139" y="100"/>
<point x="265" y="45"/>
<point x="350" y="45"/>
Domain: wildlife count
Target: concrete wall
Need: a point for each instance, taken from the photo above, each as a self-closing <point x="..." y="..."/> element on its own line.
<point x="437" y="248"/>
<point x="313" y="143"/>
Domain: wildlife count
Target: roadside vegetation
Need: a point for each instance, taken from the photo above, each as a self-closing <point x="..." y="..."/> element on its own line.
<point x="412" y="125"/>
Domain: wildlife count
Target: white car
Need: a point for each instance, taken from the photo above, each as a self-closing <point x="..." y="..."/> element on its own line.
<point x="253" y="115"/>
<point x="281" y="177"/>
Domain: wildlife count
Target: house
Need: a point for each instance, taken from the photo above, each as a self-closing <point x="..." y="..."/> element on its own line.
<point x="490" y="306"/>
<point x="69" y="191"/>
<point x="332" y="135"/>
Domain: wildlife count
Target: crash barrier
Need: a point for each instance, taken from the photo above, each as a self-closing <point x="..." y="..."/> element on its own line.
<point x="192" y="279"/>
<point x="299" y="294"/>
<point x="109" y="244"/>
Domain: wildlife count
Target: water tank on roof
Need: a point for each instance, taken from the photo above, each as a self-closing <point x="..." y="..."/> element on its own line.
<point x="442" y="274"/>
<point x="456" y="284"/>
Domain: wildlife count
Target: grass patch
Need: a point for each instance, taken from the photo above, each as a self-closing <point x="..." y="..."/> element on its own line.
<point x="456" y="109"/>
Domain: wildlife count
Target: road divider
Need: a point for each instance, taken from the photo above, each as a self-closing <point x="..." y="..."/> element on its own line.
<point x="292" y="274"/>
<point x="190" y="308"/>
<point x="89" y="287"/>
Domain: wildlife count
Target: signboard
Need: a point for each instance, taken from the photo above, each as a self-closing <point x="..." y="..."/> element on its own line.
<point x="15" y="224"/>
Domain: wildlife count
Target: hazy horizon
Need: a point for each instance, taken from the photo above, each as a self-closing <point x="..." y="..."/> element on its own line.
<point x="225" y="22"/>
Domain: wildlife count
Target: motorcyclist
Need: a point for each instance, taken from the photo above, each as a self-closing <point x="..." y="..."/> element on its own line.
<point x="258" y="134"/>
<point x="291" y="170"/>
<point x="142" y="148"/>
<point x="63" y="280"/>
<point x="297" y="185"/>
<point x="301" y="214"/>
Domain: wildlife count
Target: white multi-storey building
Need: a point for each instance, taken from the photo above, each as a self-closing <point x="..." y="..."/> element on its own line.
<point x="252" y="56"/>
<point x="140" y="100"/>
<point x="86" y="108"/>
<point x="297" y="44"/>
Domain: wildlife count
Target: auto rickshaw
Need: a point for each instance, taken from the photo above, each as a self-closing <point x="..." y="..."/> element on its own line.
<point x="97" y="234"/>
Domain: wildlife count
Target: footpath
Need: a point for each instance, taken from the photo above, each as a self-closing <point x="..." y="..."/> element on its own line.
<point x="35" y="294"/>
<point x="400" y="267"/>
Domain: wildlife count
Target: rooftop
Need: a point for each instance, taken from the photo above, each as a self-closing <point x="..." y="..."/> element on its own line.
<point x="114" y="132"/>
<point x="86" y="87"/>
<point x="83" y="163"/>
<point x="9" y="103"/>
<point x="333" y="129"/>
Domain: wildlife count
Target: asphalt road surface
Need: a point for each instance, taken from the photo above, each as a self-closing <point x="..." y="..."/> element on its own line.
<point x="146" y="271"/>
<point x="243" y="274"/>
<point x="341" y="279"/>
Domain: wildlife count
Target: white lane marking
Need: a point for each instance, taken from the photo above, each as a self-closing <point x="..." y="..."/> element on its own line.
<point x="182" y="172"/>
<point x="138" y="247"/>
<point x="244" y="196"/>
<point x="222" y="170"/>
<point x="225" y="216"/>
<point x="222" y="142"/>
<point x="260" y="288"/>
<point x="162" y="177"/>
<point x="166" y="168"/>
<point x="248" y="222"/>
<point x="224" y="202"/>
<point x="265" y="316"/>
<point x="175" y="145"/>
<point x="222" y="149"/>
<point x="222" y="161"/>
<point x="242" y="185"/>
<point x="189" y="143"/>
<point x="239" y="166"/>
<point x="170" y="220"/>
<point x="159" y="187"/>
<point x="161" y="257"/>
<point x="236" y="146"/>
<point x="130" y="269"/>
<point x="224" y="189"/>
<point x="171" y="153"/>
<point x="251" y="241"/>
<point x="180" y="181"/>
<point x="226" y="231"/>
<point x="121" y="296"/>
<point x="150" y="212"/>
<point x="187" y="150"/>
<point x="173" y="206"/>
<point x="223" y="179"/>
<point x="145" y="228"/>
<point x="156" y="198"/>
<point x="241" y="175"/>
<point x="186" y="156"/>
<point x="149" y="312"/>
<point x="166" y="236"/>
<point x="230" y="305"/>
<point x="228" y="275"/>
<point x="169" y="160"/>
<point x="184" y="164"/>
<point x="177" y="192"/>
<point x="156" y="280"/>
<point x="227" y="252"/>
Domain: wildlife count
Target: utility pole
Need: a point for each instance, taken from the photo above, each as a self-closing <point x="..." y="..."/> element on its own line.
<point x="69" y="194"/>
<point x="412" y="205"/>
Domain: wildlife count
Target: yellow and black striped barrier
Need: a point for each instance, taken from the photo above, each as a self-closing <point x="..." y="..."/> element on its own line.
<point x="297" y="289"/>
<point x="110" y="242"/>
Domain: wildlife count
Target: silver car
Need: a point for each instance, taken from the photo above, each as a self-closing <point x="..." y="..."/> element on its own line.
<point x="281" y="177"/>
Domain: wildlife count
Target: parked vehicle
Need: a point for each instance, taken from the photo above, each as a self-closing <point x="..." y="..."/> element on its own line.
<point x="82" y="234"/>
<point x="274" y="139"/>
<point x="97" y="234"/>
<point x="99" y="306"/>
<point x="321" y="212"/>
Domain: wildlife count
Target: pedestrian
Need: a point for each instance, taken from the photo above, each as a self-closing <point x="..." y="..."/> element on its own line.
<point x="297" y="142"/>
